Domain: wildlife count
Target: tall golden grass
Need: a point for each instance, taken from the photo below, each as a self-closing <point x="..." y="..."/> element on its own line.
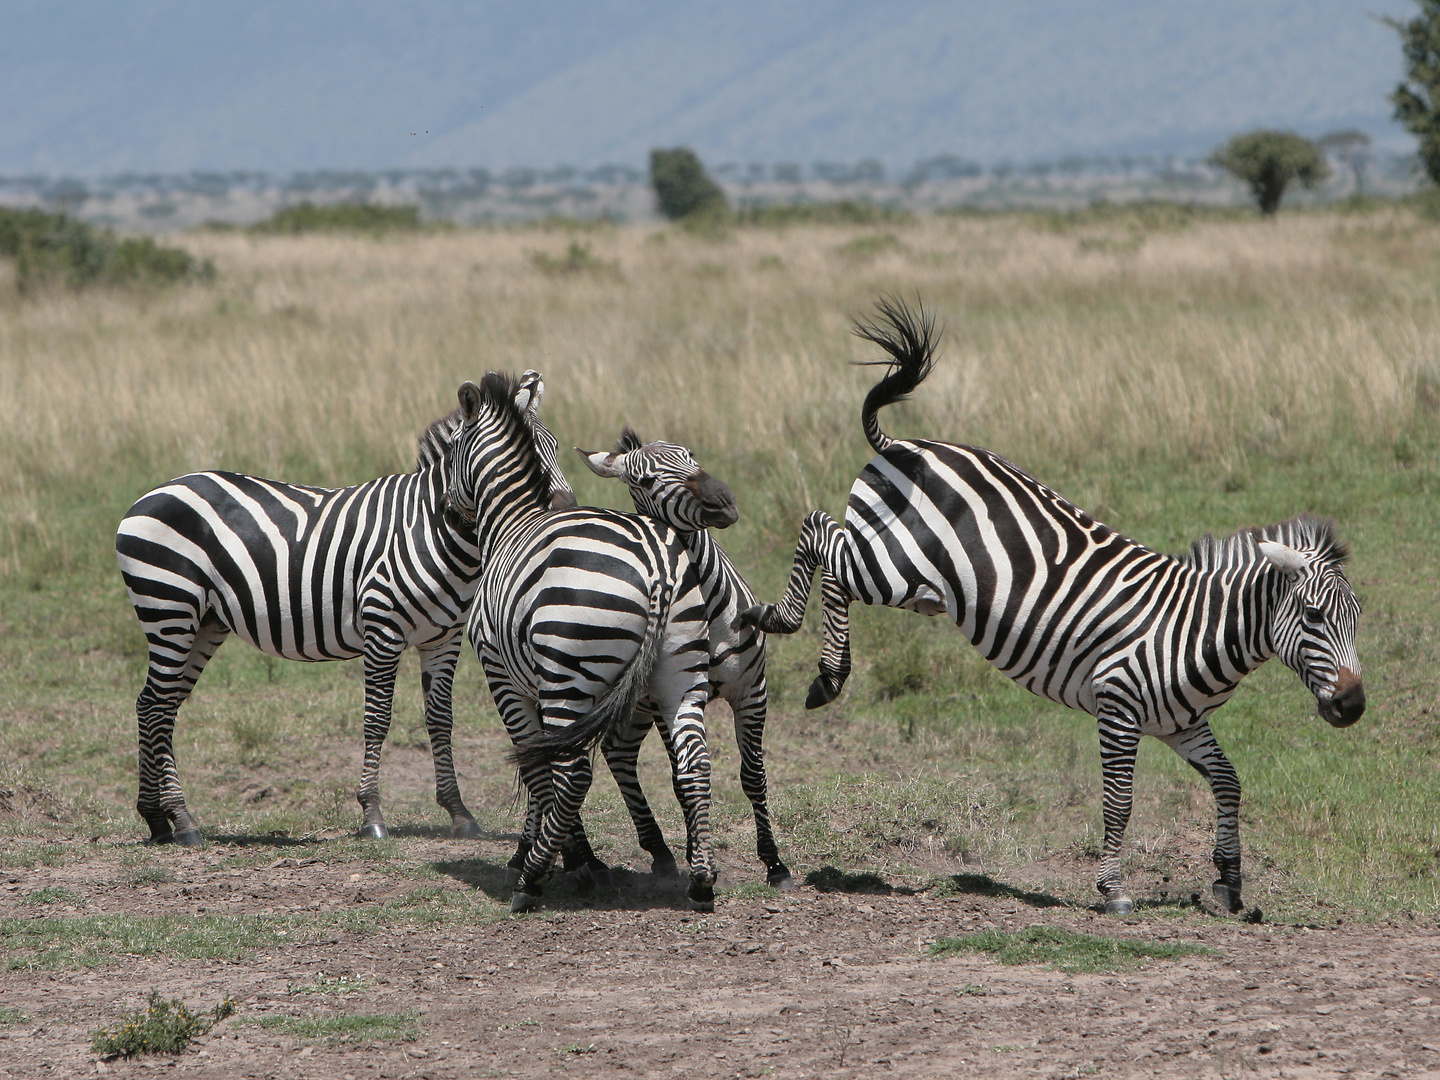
<point x="320" y="358"/>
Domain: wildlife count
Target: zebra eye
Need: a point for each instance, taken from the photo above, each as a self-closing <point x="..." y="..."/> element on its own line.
<point x="646" y="482"/>
<point x="1313" y="616"/>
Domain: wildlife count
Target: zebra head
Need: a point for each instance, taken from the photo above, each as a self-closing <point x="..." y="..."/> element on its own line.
<point x="527" y="397"/>
<point x="1313" y="626"/>
<point x="494" y="460"/>
<point x="666" y="483"/>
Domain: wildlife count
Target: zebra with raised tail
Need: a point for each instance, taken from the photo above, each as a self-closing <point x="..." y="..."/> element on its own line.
<point x="310" y="573"/>
<point x="667" y="484"/>
<point x="1149" y="644"/>
<point x="577" y="615"/>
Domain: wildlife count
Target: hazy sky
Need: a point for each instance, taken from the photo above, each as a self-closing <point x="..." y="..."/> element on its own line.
<point x="172" y="85"/>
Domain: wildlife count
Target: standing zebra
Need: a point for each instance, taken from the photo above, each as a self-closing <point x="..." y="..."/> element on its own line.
<point x="309" y="573"/>
<point x="666" y="484"/>
<point x="1149" y="644"/>
<point x="578" y="614"/>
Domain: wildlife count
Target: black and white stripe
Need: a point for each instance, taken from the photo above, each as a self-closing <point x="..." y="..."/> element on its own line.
<point x="313" y="574"/>
<point x="1149" y="644"/>
<point x="577" y="616"/>
<point x="667" y="484"/>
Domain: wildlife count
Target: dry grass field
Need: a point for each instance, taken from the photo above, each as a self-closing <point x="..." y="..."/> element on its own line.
<point x="1172" y="373"/>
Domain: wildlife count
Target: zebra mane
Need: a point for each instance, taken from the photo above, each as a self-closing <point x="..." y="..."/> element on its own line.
<point x="1304" y="533"/>
<point x="435" y="439"/>
<point x="628" y="441"/>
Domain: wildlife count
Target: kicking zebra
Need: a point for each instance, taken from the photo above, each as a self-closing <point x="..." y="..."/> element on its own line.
<point x="666" y="484"/>
<point x="1149" y="644"/>
<point x="578" y="614"/>
<point x="310" y="573"/>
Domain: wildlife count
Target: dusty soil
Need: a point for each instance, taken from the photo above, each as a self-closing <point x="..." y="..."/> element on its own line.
<point x="632" y="984"/>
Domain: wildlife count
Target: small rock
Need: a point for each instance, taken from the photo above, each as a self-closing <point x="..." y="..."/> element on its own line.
<point x="1421" y="1001"/>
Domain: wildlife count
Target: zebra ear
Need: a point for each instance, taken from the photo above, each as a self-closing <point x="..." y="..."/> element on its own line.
<point x="469" y="401"/>
<point x="532" y="389"/>
<point x="1285" y="559"/>
<point x="601" y="463"/>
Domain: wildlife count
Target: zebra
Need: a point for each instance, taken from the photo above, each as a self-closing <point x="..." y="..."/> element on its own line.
<point x="1149" y="644"/>
<point x="309" y="573"/>
<point x="578" y="614"/>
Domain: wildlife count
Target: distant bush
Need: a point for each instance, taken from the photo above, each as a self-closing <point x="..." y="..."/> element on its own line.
<point x="842" y="212"/>
<point x="1269" y="161"/>
<point x="682" y="186"/>
<point x="307" y="217"/>
<point x="58" y="249"/>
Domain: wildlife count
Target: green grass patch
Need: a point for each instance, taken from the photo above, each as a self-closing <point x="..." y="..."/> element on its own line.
<point x="51" y="894"/>
<point x="838" y="212"/>
<point x="332" y="984"/>
<point x="578" y="259"/>
<point x="9" y="1015"/>
<point x="346" y="1027"/>
<point x="162" y="1027"/>
<point x="752" y="890"/>
<point x="1065" y="950"/>
<point x="307" y="217"/>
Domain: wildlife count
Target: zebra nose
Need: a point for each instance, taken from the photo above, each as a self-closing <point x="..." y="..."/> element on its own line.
<point x="717" y="501"/>
<point x="563" y="500"/>
<point x="1347" y="704"/>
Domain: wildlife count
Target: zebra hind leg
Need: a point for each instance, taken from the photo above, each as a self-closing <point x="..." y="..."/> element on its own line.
<point x="1198" y="747"/>
<point x="570" y="781"/>
<point x="622" y="752"/>
<point x="437" y="677"/>
<point x="749" y="737"/>
<point x="161" y="801"/>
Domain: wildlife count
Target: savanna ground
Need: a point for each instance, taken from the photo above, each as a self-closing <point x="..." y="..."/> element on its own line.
<point x="1172" y="373"/>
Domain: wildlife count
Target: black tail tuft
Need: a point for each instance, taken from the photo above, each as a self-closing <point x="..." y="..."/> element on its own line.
<point x="910" y="337"/>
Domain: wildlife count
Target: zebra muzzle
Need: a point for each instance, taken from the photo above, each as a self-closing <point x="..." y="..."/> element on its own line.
<point x="1347" y="703"/>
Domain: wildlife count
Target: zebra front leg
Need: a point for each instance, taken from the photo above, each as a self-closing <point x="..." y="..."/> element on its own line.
<point x="437" y="678"/>
<point x="381" y="661"/>
<point x="1118" y="743"/>
<point x="622" y="753"/>
<point x="749" y="737"/>
<point x="1197" y="746"/>
<point x="692" y="784"/>
<point x="822" y="544"/>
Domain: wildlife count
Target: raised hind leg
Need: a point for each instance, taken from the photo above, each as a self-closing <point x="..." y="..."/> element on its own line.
<point x="179" y="651"/>
<point x="622" y="753"/>
<point x="749" y="713"/>
<point x="437" y="679"/>
<point x="823" y="544"/>
<point x="1197" y="746"/>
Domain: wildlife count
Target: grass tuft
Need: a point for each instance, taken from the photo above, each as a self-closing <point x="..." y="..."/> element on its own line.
<point x="347" y="1028"/>
<point x="1065" y="950"/>
<point x="162" y="1027"/>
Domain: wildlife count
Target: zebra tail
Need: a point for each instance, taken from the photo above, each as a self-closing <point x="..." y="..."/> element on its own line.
<point x="910" y="337"/>
<point x="612" y="709"/>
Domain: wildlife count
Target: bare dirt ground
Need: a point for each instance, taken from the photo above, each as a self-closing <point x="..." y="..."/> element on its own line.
<point x="815" y="983"/>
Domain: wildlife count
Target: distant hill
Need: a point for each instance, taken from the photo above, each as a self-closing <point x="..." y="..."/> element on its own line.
<point x="168" y="85"/>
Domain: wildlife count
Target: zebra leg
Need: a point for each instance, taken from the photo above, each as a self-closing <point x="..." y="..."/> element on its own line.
<point x="381" y="661"/>
<point x="570" y="781"/>
<point x="622" y="753"/>
<point x="749" y="737"/>
<point x="823" y="544"/>
<point x="1197" y="746"/>
<point x="692" y="785"/>
<point x="167" y="685"/>
<point x="437" y="679"/>
<point x="1118" y="743"/>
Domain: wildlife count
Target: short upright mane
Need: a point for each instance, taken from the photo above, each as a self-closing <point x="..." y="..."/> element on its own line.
<point x="435" y="439"/>
<point x="1304" y="533"/>
<point x="498" y="392"/>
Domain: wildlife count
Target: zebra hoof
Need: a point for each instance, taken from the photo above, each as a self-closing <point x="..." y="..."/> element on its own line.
<point x="465" y="829"/>
<point x="1228" y="898"/>
<point x="600" y="875"/>
<point x="702" y="897"/>
<point x="158" y="838"/>
<point x="663" y="864"/>
<point x="190" y="838"/>
<point x="1118" y="903"/>
<point x="779" y="878"/>
<point x="822" y="692"/>
<point x="373" y="831"/>
<point x="522" y="902"/>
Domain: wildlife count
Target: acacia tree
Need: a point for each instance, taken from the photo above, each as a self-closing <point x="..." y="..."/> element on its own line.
<point x="1269" y="161"/>
<point x="682" y="187"/>
<point x="1352" y="148"/>
<point x="1417" y="101"/>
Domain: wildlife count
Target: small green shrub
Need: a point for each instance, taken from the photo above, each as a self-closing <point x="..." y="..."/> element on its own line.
<point x="868" y="247"/>
<point x="162" y="1027"/>
<point x="58" y="249"/>
<point x="577" y="259"/>
<point x="306" y="217"/>
<point x="840" y="212"/>
<point x="682" y="186"/>
<point x="1065" y="950"/>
